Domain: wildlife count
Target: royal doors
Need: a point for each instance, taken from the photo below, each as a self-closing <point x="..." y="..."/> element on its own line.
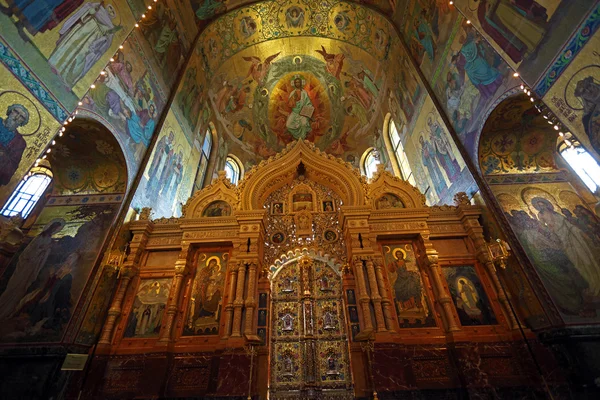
<point x="309" y="346"/>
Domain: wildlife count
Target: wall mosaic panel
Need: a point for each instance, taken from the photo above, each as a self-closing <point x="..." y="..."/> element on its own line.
<point x="25" y="128"/>
<point x="560" y="236"/>
<point x="43" y="284"/>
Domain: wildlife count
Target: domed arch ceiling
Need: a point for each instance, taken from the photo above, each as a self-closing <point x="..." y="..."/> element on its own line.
<point x="516" y="139"/>
<point x="208" y="9"/>
<point x="280" y="71"/>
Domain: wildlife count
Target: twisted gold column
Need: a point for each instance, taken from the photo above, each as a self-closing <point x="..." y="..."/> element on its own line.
<point x="116" y="307"/>
<point x="128" y="271"/>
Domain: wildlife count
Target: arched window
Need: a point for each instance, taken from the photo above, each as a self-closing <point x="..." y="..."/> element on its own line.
<point x="204" y="158"/>
<point x="370" y="161"/>
<point x="398" y="150"/>
<point x="233" y="169"/>
<point x="583" y="164"/>
<point x="28" y="193"/>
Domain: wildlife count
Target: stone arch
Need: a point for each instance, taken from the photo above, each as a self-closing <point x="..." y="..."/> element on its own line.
<point x="511" y="93"/>
<point x="281" y="169"/>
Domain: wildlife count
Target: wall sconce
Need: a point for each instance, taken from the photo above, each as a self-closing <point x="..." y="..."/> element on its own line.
<point x="499" y="251"/>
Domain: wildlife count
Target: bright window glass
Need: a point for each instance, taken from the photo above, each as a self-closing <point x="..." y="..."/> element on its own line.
<point x="401" y="158"/>
<point x="204" y="157"/>
<point x="370" y="165"/>
<point x="584" y="165"/>
<point x="28" y="193"/>
<point x="232" y="170"/>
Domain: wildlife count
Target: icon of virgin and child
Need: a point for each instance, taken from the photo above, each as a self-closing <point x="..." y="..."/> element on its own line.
<point x="207" y="294"/>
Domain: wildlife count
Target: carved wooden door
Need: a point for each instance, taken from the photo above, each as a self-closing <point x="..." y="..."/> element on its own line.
<point x="309" y="346"/>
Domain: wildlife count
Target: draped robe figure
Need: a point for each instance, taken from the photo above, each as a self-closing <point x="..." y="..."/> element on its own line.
<point x="83" y="40"/>
<point x="298" y="125"/>
<point x="28" y="267"/>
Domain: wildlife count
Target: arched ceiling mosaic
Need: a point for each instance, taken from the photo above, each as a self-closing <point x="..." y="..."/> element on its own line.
<point x="207" y="10"/>
<point x="516" y="139"/>
<point x="87" y="159"/>
<point x="278" y="71"/>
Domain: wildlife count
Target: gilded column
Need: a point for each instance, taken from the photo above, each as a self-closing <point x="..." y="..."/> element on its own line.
<point x="363" y="297"/>
<point x="238" y="303"/>
<point x="485" y="259"/>
<point x="127" y="272"/>
<point x="181" y="269"/>
<point x="474" y="229"/>
<point x="229" y="306"/>
<point x="375" y="296"/>
<point x="442" y="297"/>
<point x="386" y="302"/>
<point x="250" y="299"/>
<point x="129" y="269"/>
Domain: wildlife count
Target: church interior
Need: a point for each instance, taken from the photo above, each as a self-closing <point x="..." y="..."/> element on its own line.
<point x="299" y="199"/>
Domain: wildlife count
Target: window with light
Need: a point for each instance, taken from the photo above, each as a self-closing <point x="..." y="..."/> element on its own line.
<point x="232" y="170"/>
<point x="583" y="164"/>
<point x="398" y="150"/>
<point x="370" y="163"/>
<point x="28" y="193"/>
<point x="204" y="159"/>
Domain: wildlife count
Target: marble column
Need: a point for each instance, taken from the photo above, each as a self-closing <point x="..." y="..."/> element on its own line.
<point x="238" y="303"/>
<point x="363" y="297"/>
<point x="375" y="295"/>
<point x="386" y="301"/>
<point x="181" y="270"/>
<point x="250" y="302"/>
<point x="231" y="295"/>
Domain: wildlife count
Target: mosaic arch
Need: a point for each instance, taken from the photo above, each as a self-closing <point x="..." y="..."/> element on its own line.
<point x="60" y="250"/>
<point x="282" y="71"/>
<point x="545" y="205"/>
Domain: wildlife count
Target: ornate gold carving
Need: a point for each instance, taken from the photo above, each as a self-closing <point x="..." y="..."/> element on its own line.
<point x="383" y="182"/>
<point x="220" y="189"/>
<point x="462" y="199"/>
<point x="145" y="214"/>
<point x="280" y="170"/>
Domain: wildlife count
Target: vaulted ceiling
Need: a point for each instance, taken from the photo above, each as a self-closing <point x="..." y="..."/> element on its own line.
<point x="276" y="71"/>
